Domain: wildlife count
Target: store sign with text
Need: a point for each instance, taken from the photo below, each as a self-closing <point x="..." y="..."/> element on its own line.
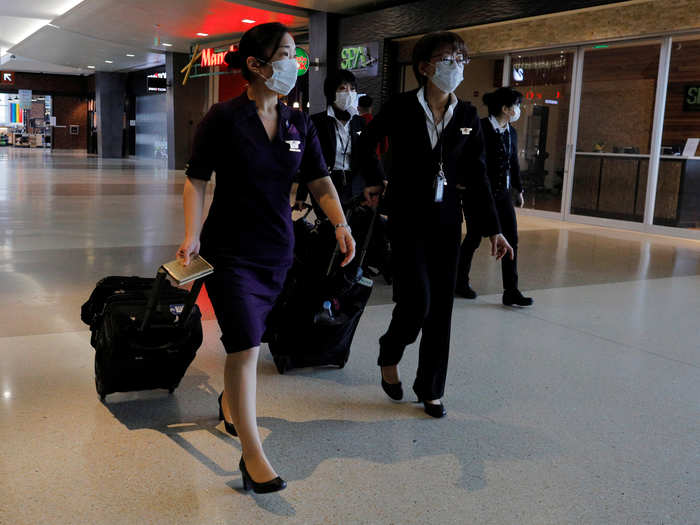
<point x="361" y="59"/>
<point x="691" y="98"/>
<point x="7" y="77"/>
<point x="302" y="61"/>
<point x="212" y="57"/>
<point x="157" y="83"/>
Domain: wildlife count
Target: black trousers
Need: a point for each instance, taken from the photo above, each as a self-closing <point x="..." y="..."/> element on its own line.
<point x="509" y="228"/>
<point x="425" y="270"/>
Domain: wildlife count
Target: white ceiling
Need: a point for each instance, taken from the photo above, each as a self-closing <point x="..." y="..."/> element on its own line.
<point x="90" y="32"/>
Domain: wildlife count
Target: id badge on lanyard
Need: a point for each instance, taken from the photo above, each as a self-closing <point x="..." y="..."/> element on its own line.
<point x="439" y="185"/>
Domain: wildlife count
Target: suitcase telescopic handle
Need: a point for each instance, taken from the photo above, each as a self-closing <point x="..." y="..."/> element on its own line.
<point x="155" y="295"/>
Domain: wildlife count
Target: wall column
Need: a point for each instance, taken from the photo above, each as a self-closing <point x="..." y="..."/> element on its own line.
<point x="110" y="92"/>
<point x="323" y="45"/>
<point x="186" y="105"/>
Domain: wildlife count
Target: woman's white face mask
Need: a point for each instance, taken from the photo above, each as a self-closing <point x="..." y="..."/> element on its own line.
<point x="516" y="115"/>
<point x="346" y="100"/>
<point x="284" y="76"/>
<point x="448" y="76"/>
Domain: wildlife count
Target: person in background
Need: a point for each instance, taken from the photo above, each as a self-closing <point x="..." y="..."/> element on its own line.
<point x="256" y="145"/>
<point x="339" y="128"/>
<point x="437" y="150"/>
<point x="504" y="174"/>
<point x="364" y="107"/>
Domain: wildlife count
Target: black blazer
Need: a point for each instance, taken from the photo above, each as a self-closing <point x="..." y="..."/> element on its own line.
<point x="326" y="127"/>
<point x="410" y="193"/>
<point x="494" y="152"/>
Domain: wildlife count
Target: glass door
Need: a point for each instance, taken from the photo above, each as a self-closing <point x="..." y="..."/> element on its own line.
<point x="614" y="131"/>
<point x="545" y="82"/>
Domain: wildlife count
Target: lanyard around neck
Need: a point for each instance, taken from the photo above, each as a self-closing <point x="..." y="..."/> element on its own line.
<point x="432" y="121"/>
<point x="345" y="146"/>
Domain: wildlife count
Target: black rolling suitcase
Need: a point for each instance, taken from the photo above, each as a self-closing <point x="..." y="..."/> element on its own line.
<point x="145" y="332"/>
<point x="315" y="318"/>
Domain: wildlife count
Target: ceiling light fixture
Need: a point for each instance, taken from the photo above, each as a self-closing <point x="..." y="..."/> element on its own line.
<point x="248" y="21"/>
<point x="167" y="45"/>
<point x="130" y="55"/>
<point x="91" y="67"/>
<point x="202" y="34"/>
<point x="109" y="61"/>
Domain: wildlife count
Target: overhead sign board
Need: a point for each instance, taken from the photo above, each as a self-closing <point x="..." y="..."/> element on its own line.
<point x="361" y="59"/>
<point x="157" y="82"/>
<point x="7" y="77"/>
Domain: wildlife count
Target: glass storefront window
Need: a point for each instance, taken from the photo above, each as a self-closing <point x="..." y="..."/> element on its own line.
<point x="545" y="82"/>
<point x="614" y="135"/>
<point x="678" y="189"/>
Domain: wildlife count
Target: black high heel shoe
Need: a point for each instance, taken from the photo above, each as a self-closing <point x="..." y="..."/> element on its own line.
<point x="228" y="426"/>
<point x="274" y="485"/>
<point x="436" y="411"/>
<point x="394" y="391"/>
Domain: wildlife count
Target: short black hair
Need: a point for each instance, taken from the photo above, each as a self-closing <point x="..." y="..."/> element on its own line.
<point x="260" y="42"/>
<point x="425" y="49"/>
<point x="336" y="79"/>
<point x="365" y="101"/>
<point x="503" y="96"/>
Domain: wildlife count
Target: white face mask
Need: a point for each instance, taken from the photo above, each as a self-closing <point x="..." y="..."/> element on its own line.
<point x="516" y="116"/>
<point x="284" y="76"/>
<point x="347" y="101"/>
<point x="448" y="77"/>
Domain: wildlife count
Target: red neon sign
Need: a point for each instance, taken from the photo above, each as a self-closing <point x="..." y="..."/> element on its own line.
<point x="211" y="59"/>
<point x="531" y="95"/>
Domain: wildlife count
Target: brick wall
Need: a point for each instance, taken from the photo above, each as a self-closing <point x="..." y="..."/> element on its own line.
<point x="70" y="110"/>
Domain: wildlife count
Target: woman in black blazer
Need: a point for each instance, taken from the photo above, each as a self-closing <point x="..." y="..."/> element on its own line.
<point x="503" y="170"/>
<point x="339" y="129"/>
<point x="437" y="150"/>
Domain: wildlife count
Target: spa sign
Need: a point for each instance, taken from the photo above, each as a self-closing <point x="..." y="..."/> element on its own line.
<point x="361" y="59"/>
<point x="691" y="98"/>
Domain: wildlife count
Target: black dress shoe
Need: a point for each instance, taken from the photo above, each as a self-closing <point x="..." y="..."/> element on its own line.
<point x="274" y="485"/>
<point x="228" y="426"/>
<point x="394" y="391"/>
<point x="466" y="291"/>
<point x="515" y="298"/>
<point x="435" y="410"/>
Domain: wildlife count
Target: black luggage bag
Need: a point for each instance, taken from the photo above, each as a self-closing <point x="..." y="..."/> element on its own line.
<point x="315" y="318"/>
<point x="145" y="332"/>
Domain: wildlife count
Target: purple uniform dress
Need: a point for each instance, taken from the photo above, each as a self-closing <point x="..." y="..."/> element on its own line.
<point x="248" y="235"/>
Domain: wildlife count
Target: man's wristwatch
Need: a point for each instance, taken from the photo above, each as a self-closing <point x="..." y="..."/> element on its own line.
<point x="343" y="225"/>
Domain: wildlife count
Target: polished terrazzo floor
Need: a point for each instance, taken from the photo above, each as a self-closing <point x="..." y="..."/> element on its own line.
<point x="584" y="409"/>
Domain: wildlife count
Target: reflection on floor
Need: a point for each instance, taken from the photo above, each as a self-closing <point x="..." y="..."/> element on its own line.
<point x="583" y="409"/>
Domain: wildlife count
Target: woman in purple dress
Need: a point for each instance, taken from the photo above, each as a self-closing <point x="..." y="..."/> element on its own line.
<point x="256" y="145"/>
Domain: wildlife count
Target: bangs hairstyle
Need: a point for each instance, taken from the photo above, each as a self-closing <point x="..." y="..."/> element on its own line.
<point x="503" y="96"/>
<point x="427" y="46"/>
<point x="259" y="42"/>
<point x="335" y="80"/>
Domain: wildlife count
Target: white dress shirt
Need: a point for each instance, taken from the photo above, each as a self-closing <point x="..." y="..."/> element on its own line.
<point x="497" y="126"/>
<point x="430" y="122"/>
<point x="343" y="143"/>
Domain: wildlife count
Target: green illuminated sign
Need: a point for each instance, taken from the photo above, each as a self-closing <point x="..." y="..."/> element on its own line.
<point x="303" y="61"/>
<point x="355" y="57"/>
